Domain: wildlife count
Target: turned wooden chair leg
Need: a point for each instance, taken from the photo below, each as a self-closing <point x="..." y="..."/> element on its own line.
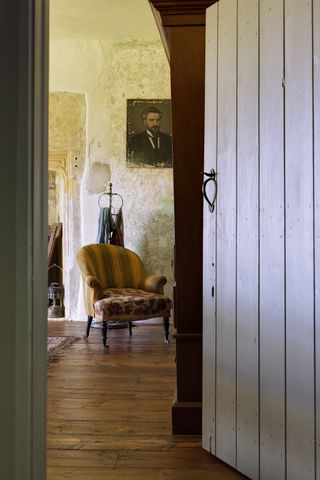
<point x="130" y="328"/>
<point x="166" y="329"/>
<point x="104" y="333"/>
<point x="89" y="321"/>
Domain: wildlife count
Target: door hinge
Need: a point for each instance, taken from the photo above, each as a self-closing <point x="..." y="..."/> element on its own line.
<point x="212" y="291"/>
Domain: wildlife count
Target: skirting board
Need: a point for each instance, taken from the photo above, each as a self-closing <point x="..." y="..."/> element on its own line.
<point x="187" y="418"/>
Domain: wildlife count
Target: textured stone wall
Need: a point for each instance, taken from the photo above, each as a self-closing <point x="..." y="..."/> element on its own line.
<point x="109" y="74"/>
<point x="67" y="151"/>
<point x="67" y="121"/>
<point x="141" y="71"/>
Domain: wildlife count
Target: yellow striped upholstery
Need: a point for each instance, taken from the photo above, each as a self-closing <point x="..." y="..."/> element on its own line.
<point x="111" y="266"/>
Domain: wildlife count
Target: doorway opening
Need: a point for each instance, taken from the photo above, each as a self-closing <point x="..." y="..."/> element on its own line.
<point x="101" y="57"/>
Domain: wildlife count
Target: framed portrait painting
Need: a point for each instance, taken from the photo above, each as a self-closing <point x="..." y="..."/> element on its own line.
<point x="149" y="139"/>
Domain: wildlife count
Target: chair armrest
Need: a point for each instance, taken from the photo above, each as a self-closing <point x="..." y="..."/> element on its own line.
<point x="94" y="283"/>
<point x="154" y="283"/>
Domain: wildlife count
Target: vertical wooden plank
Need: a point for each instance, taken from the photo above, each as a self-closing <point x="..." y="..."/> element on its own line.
<point x="226" y="234"/>
<point x="209" y="314"/>
<point x="247" y="243"/>
<point x="299" y="241"/>
<point x="272" y="308"/>
<point x="316" y="106"/>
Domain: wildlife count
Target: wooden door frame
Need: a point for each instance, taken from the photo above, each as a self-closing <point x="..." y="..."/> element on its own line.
<point x="23" y="275"/>
<point x="183" y="24"/>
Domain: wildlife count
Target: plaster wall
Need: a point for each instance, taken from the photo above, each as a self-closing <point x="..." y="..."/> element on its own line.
<point x="67" y="149"/>
<point x="107" y="74"/>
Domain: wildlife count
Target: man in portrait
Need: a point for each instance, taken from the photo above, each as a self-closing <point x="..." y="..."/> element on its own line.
<point x="150" y="147"/>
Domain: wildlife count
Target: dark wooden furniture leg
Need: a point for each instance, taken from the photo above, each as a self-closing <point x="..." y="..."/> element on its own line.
<point x="89" y="321"/>
<point x="130" y="328"/>
<point x="166" y="329"/>
<point x="104" y="333"/>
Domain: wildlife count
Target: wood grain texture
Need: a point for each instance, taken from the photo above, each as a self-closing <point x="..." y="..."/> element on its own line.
<point x="226" y="233"/>
<point x="209" y="227"/>
<point x="247" y="242"/>
<point x="272" y="237"/>
<point x="278" y="238"/>
<point x="109" y="412"/>
<point x="300" y="386"/>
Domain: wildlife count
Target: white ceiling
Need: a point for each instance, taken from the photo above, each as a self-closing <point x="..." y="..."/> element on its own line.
<point x="102" y="19"/>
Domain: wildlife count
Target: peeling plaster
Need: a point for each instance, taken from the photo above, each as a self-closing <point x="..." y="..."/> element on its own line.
<point x="98" y="178"/>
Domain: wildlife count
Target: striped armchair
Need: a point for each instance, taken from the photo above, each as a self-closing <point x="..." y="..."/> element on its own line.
<point x="117" y="288"/>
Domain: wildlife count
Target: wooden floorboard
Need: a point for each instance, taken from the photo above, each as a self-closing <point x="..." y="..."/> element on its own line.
<point x="109" y="411"/>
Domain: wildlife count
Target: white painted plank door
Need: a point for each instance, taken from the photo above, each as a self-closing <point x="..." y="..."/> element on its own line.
<point x="299" y="252"/>
<point x="272" y="226"/>
<point x="261" y="395"/>
<point x="226" y="244"/>
<point x="247" y="241"/>
<point x="209" y="260"/>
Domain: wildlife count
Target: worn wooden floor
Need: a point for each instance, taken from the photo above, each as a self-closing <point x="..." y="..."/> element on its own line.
<point x="109" y="413"/>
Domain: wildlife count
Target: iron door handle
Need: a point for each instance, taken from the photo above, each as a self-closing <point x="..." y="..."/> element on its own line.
<point x="211" y="177"/>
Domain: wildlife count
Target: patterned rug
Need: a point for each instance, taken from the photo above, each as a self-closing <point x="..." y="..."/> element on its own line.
<point x="55" y="344"/>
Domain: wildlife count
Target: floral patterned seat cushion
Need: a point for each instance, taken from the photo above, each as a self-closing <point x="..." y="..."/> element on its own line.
<point x="131" y="304"/>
